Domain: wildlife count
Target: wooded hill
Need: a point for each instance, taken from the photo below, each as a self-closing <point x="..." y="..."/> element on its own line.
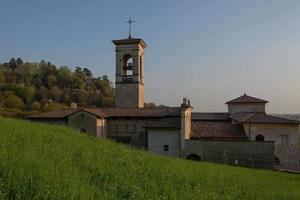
<point x="27" y="87"/>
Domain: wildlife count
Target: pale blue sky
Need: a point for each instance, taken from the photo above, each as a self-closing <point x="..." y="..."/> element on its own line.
<point x="210" y="51"/>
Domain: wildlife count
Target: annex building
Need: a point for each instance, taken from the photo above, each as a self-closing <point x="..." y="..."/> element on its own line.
<point x="245" y="135"/>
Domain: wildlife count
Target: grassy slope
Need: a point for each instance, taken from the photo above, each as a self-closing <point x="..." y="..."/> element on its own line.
<point x="51" y="162"/>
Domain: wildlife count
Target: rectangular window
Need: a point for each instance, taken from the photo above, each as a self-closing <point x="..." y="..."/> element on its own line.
<point x="284" y="140"/>
<point x="166" y="147"/>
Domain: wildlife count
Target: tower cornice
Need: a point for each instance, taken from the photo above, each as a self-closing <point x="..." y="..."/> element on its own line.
<point x="138" y="41"/>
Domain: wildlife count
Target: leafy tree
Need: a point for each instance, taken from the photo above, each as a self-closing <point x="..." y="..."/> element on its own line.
<point x="2" y="78"/>
<point x="87" y="73"/>
<point x="36" y="106"/>
<point x="26" y="93"/>
<point x="13" y="101"/>
<point x="19" y="61"/>
<point x="12" y="63"/>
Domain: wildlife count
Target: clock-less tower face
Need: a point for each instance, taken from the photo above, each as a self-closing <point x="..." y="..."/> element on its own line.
<point x="130" y="72"/>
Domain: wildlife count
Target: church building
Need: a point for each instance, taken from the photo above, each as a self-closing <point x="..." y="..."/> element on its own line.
<point x="245" y="135"/>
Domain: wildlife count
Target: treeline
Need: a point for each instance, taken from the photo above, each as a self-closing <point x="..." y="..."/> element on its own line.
<point x="27" y="87"/>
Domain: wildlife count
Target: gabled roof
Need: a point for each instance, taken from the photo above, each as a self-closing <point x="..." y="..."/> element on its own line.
<point x="61" y="113"/>
<point x="260" y="117"/>
<point x="246" y="99"/>
<point x="210" y="116"/>
<point x="141" y="112"/>
<point x="217" y="130"/>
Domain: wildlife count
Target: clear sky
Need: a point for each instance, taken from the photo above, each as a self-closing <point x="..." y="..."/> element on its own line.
<point x="209" y="51"/>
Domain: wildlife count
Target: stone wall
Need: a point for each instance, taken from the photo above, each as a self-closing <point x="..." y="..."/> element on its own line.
<point x="242" y="153"/>
<point x="129" y="95"/>
<point x="164" y="141"/>
<point x="288" y="154"/>
<point x="127" y="130"/>
<point x="245" y="107"/>
<point x="84" y="122"/>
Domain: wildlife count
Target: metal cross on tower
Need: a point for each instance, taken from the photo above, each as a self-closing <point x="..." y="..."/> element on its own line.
<point x="129" y="22"/>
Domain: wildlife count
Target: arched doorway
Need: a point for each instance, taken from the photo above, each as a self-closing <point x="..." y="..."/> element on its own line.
<point x="193" y="157"/>
<point x="260" y="138"/>
<point x="82" y="130"/>
<point x="276" y="161"/>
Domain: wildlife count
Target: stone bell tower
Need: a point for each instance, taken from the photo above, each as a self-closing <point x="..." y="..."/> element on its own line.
<point x="130" y="72"/>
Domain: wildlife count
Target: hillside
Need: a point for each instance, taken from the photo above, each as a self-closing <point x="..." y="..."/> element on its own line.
<point x="27" y="87"/>
<point x="51" y="162"/>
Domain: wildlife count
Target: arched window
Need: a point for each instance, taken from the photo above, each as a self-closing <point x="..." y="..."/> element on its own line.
<point x="82" y="130"/>
<point x="193" y="157"/>
<point x="127" y="65"/>
<point x="276" y="161"/>
<point x="260" y="138"/>
<point x="141" y="67"/>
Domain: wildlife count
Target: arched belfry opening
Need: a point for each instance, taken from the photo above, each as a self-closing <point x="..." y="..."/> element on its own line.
<point x="130" y="72"/>
<point x="127" y="66"/>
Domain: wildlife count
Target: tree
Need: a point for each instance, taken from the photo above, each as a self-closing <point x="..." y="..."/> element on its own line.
<point x="12" y="63"/>
<point x="55" y="94"/>
<point x="26" y="93"/>
<point x="87" y="73"/>
<point x="19" y="61"/>
<point x="2" y="78"/>
<point x="36" y="106"/>
<point x="51" y="81"/>
<point x="13" y="101"/>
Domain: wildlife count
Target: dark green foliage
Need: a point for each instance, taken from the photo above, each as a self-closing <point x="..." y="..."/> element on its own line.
<point x="50" y="162"/>
<point x="50" y="87"/>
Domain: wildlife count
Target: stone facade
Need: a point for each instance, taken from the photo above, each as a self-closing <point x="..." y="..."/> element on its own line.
<point x="129" y="95"/>
<point x="87" y="123"/>
<point x="241" y="153"/>
<point x="245" y="107"/>
<point x="285" y="138"/>
<point x="130" y="72"/>
<point x="129" y="131"/>
<point x="164" y="141"/>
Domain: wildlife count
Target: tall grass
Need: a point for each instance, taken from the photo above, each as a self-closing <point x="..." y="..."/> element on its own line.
<point x="50" y="162"/>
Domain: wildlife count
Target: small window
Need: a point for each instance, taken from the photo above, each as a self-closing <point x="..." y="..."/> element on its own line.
<point x="260" y="138"/>
<point x="284" y="140"/>
<point x="166" y="147"/>
<point x="82" y="115"/>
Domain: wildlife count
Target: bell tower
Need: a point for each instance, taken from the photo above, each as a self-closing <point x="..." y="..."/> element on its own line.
<point x="130" y="72"/>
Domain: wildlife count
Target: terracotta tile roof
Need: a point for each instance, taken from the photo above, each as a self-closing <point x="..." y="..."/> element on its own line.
<point x="113" y="112"/>
<point x="62" y="113"/>
<point x="141" y="112"/>
<point x="246" y="99"/>
<point x="217" y="130"/>
<point x="210" y="116"/>
<point x="96" y="111"/>
<point x="260" y="117"/>
<point x="166" y="122"/>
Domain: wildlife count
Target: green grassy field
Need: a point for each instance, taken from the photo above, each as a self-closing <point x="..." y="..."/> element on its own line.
<point x="51" y="162"/>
